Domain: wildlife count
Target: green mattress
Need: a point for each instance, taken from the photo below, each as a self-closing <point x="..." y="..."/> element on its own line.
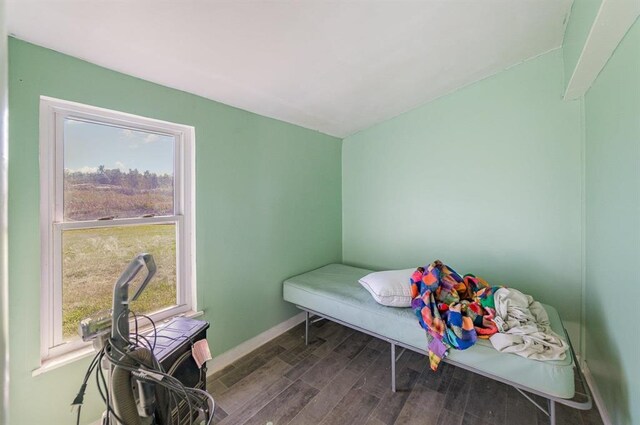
<point x="334" y="291"/>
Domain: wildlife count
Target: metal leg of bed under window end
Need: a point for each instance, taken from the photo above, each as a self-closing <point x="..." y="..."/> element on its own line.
<point x="306" y="327"/>
<point x="552" y="412"/>
<point x="308" y="321"/>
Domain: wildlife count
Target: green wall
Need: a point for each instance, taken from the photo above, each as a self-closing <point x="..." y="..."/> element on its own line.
<point x="612" y="110"/>
<point x="583" y="14"/>
<point x="487" y="179"/>
<point x="268" y="206"/>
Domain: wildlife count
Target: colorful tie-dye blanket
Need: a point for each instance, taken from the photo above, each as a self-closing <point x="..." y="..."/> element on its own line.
<point x="455" y="311"/>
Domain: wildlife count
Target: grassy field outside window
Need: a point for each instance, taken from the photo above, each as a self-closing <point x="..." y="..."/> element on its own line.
<point x="93" y="259"/>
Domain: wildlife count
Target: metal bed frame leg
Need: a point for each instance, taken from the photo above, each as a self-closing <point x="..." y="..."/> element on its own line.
<point x="552" y="412"/>
<point x="393" y="367"/>
<point x="306" y="328"/>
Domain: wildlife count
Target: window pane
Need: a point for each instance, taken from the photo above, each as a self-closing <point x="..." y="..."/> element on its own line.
<point x="93" y="259"/>
<point x="116" y="172"/>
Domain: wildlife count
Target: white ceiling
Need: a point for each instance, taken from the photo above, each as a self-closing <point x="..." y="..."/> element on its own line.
<point x="334" y="66"/>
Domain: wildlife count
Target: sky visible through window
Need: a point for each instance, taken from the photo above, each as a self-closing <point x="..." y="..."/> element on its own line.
<point x="114" y="172"/>
<point x="89" y="145"/>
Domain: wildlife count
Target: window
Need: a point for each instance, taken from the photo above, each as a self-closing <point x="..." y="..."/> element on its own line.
<point x="112" y="185"/>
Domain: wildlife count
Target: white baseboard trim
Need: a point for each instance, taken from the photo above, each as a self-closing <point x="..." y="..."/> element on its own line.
<point x="595" y="392"/>
<point x="225" y="359"/>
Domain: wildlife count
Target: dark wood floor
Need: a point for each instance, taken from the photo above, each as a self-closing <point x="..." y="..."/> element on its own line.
<point x="343" y="378"/>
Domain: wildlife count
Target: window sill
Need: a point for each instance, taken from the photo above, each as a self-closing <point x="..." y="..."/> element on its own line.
<point x="88" y="351"/>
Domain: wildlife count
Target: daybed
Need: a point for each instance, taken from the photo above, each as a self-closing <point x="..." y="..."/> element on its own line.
<point x="333" y="292"/>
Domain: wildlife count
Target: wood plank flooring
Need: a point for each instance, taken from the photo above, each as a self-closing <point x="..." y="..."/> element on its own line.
<point x="343" y="378"/>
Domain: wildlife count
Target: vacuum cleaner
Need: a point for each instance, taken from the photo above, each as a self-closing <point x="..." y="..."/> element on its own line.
<point x="157" y="378"/>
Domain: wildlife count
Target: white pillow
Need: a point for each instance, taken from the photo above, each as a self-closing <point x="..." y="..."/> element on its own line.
<point x="390" y="288"/>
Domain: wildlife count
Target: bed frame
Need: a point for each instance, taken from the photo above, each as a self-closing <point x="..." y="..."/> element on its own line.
<point x="581" y="401"/>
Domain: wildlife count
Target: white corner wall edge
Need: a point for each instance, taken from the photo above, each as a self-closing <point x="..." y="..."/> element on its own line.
<point x="595" y="392"/>
<point x="4" y="226"/>
<point x="612" y="22"/>
<point x="225" y="359"/>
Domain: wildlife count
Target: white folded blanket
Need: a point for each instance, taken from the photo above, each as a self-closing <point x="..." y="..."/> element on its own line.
<point x="524" y="328"/>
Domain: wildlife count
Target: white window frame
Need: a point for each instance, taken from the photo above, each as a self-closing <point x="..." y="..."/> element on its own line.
<point x="53" y="112"/>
